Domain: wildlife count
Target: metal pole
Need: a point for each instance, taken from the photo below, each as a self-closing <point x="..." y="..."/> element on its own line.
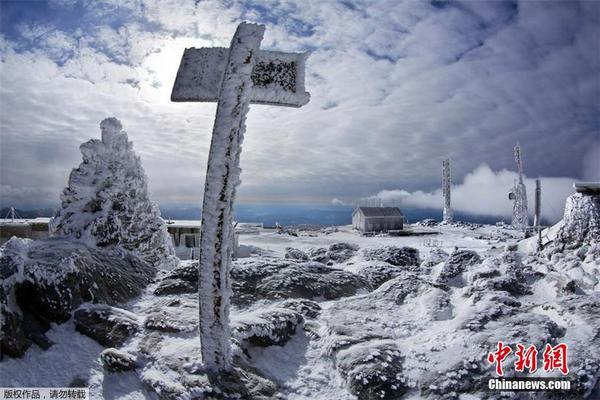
<point x="538" y="210"/>
<point x="446" y="187"/>
<point x="538" y="203"/>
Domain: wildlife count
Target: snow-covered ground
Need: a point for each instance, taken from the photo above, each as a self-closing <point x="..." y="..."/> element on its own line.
<point x="479" y="239"/>
<point x="430" y="326"/>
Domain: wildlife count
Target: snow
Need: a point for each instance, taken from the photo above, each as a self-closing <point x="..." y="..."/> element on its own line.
<point x="452" y="237"/>
<point x="303" y="370"/>
<point x="24" y="221"/>
<point x="73" y="358"/>
<point x="277" y="77"/>
<point x="442" y="335"/>
<point x="106" y="202"/>
<point x="222" y="178"/>
<point x="581" y="220"/>
<point x="183" y="223"/>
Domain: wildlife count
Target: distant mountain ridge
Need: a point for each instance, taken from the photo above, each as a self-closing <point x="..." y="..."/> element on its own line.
<point x="287" y="214"/>
<point x="26" y="214"/>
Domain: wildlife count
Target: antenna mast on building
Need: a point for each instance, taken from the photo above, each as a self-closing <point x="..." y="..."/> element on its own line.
<point x="446" y="184"/>
<point x="538" y="204"/>
<point x="537" y="219"/>
<point x="519" y="162"/>
<point x="12" y="214"/>
<point x="518" y="195"/>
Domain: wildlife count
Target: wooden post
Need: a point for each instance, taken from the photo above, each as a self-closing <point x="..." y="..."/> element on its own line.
<point x="222" y="177"/>
<point x="233" y="77"/>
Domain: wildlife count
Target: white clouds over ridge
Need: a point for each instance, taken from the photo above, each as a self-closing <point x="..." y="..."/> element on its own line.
<point x="396" y="87"/>
<point x="485" y="192"/>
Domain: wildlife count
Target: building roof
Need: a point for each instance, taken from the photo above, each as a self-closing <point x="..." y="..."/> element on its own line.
<point x="380" y="211"/>
<point x="23" y="221"/>
<point x="587" y="187"/>
<point x="183" y="223"/>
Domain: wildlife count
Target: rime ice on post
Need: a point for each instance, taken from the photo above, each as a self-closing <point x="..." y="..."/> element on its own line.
<point x="446" y="183"/>
<point x="233" y="77"/>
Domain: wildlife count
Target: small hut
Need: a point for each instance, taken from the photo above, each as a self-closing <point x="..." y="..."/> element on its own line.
<point x="377" y="219"/>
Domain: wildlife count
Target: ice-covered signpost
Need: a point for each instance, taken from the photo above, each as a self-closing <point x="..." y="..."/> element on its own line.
<point x="234" y="77"/>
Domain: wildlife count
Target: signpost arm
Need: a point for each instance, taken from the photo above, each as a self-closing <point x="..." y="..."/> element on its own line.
<point x="222" y="177"/>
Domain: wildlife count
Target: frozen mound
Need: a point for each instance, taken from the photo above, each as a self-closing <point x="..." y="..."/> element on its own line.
<point x="296" y="254"/>
<point x="455" y="265"/>
<point x="44" y="281"/>
<point x="581" y="221"/>
<point x="274" y="326"/>
<point x="109" y="326"/>
<point x="118" y="361"/>
<point x="428" y="222"/>
<point x="272" y="279"/>
<point x="336" y="253"/>
<point x="378" y="273"/>
<point x="423" y="337"/>
<point x="168" y="361"/>
<point x="106" y="202"/>
<point x="257" y="278"/>
<point x="400" y="256"/>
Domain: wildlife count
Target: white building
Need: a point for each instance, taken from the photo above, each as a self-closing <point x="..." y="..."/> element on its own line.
<point x="31" y="228"/>
<point x="377" y="219"/>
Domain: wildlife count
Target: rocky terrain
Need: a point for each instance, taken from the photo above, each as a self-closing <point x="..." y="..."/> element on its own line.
<point x="321" y="316"/>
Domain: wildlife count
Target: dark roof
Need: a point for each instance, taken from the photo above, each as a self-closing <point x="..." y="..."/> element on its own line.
<point x="380" y="211"/>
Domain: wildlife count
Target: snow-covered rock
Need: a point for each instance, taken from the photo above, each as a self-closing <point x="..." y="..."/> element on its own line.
<point x="182" y="279"/>
<point x="378" y="273"/>
<point x="44" y="281"/>
<point x="341" y="252"/>
<point x="434" y="257"/>
<point x="109" y="326"/>
<point x="336" y="253"/>
<point x="262" y="278"/>
<point x="115" y="360"/>
<point x="106" y="202"/>
<point x="256" y="278"/>
<point x="176" y="381"/>
<point x="581" y="221"/>
<point x="458" y="262"/>
<point x="169" y="319"/>
<point x="319" y="254"/>
<point x="274" y="326"/>
<point x="428" y="222"/>
<point x="373" y="370"/>
<point x="296" y="254"/>
<point x="502" y="272"/>
<point x="174" y="286"/>
<point x="170" y="365"/>
<point x="400" y="256"/>
<point x="307" y="308"/>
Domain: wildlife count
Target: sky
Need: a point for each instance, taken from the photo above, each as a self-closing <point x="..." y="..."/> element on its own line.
<point x="396" y="87"/>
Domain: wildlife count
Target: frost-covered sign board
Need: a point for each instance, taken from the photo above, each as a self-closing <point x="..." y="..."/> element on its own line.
<point x="277" y="78"/>
<point x="234" y="78"/>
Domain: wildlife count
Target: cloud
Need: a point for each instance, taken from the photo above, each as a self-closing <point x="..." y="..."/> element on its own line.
<point x="10" y="196"/>
<point x="591" y="164"/>
<point x="396" y="87"/>
<point x="485" y="192"/>
<point x="337" y="202"/>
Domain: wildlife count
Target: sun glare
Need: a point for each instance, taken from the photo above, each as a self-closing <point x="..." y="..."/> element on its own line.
<point x="159" y="69"/>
